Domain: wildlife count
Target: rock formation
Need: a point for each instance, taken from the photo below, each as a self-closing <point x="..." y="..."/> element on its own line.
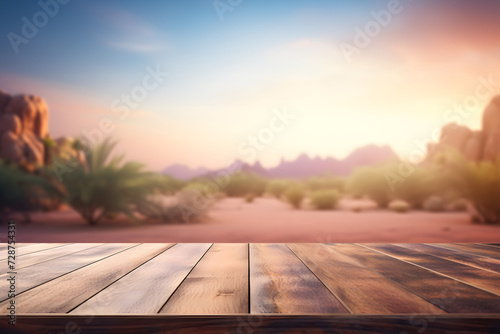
<point x="474" y="145"/>
<point x="23" y="127"/>
<point x="491" y="130"/>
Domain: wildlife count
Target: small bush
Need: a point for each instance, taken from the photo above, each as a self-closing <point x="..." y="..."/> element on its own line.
<point x="478" y="182"/>
<point x="189" y="207"/>
<point x="325" y="199"/>
<point x="241" y="183"/>
<point x="370" y="181"/>
<point x="23" y="192"/>
<point x="294" y="195"/>
<point x="277" y="188"/>
<point x="418" y="187"/>
<point x="399" y="206"/>
<point x="434" y="204"/>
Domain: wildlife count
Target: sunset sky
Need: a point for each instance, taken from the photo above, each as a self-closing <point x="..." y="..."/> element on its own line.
<point x="227" y="77"/>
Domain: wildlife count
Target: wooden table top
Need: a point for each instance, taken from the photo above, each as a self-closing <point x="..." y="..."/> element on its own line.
<point x="336" y="281"/>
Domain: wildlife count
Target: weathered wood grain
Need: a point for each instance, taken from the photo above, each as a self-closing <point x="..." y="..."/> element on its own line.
<point x="449" y="294"/>
<point x="146" y="288"/>
<point x="483" y="279"/>
<point x="26" y="260"/>
<point x="361" y="289"/>
<point x="217" y="285"/>
<point x="495" y="247"/>
<point x="40" y="273"/>
<point x="24" y="244"/>
<point x="281" y="283"/>
<point x="223" y="279"/>
<point x="473" y="249"/>
<point x="28" y="249"/>
<point x="4" y="245"/>
<point x="272" y="324"/>
<point x="473" y="260"/>
<point x="68" y="291"/>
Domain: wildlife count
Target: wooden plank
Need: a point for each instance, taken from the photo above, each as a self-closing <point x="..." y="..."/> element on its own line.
<point x="217" y="285"/>
<point x="4" y="245"/>
<point x="147" y="287"/>
<point x="494" y="247"/>
<point x="27" y="260"/>
<point x="473" y="260"/>
<point x="446" y="293"/>
<point x="281" y="283"/>
<point x="362" y="290"/>
<point x="333" y="323"/>
<point x="37" y="274"/>
<point x="24" y="244"/>
<point x="483" y="279"/>
<point x="66" y="292"/>
<point x="473" y="249"/>
<point x="32" y="248"/>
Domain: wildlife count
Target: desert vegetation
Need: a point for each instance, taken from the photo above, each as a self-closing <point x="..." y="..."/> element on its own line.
<point x="479" y="182"/>
<point x="370" y="182"/>
<point x="102" y="186"/>
<point x="294" y="195"/>
<point x="24" y="191"/>
<point x="325" y="199"/>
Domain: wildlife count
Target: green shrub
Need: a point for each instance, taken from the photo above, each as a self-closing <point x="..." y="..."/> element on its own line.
<point x="294" y="195"/>
<point x="418" y="186"/>
<point x="434" y="204"/>
<point x="371" y="182"/>
<point x="24" y="192"/>
<point x="325" y="199"/>
<point x="399" y="206"/>
<point x="103" y="185"/>
<point x="241" y="184"/>
<point x="477" y="181"/>
<point x="483" y="188"/>
<point x="277" y="187"/>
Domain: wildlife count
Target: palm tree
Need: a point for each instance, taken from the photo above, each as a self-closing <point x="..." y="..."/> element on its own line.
<point x="102" y="185"/>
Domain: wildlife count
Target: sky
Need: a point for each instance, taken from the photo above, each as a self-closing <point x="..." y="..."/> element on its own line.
<point x="203" y="82"/>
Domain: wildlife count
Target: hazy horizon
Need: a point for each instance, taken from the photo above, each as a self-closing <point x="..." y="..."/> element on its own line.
<point x="228" y="78"/>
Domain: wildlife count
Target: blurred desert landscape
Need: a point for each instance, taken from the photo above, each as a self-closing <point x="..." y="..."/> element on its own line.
<point x="267" y="220"/>
<point x="66" y="190"/>
<point x="284" y="122"/>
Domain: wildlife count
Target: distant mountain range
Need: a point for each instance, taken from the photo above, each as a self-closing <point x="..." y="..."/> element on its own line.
<point x="183" y="172"/>
<point x="302" y="166"/>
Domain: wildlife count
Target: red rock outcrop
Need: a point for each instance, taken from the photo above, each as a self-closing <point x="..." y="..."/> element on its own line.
<point x="23" y="127"/>
<point x="474" y="145"/>
<point x="491" y="130"/>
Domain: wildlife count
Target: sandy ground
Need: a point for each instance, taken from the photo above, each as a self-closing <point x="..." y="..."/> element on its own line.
<point x="266" y="220"/>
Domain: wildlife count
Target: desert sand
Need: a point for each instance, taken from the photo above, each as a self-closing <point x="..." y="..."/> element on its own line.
<point x="266" y="220"/>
